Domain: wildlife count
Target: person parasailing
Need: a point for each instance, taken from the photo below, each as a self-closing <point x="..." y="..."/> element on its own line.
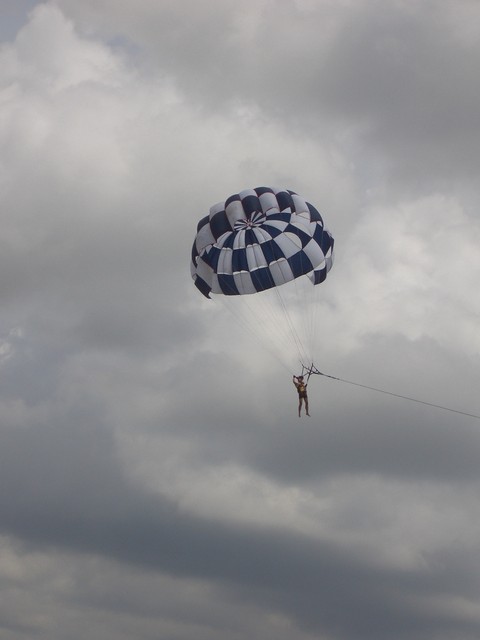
<point x="301" y="386"/>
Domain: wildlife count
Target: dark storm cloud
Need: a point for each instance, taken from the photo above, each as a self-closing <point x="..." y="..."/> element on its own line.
<point x="61" y="488"/>
<point x="410" y="448"/>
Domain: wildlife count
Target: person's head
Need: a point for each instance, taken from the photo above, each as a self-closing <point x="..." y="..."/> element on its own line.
<point x="300" y="378"/>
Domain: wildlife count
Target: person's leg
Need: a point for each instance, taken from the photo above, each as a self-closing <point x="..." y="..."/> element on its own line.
<point x="306" y="406"/>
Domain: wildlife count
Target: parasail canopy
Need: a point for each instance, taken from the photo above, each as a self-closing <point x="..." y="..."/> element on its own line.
<point x="265" y="241"/>
<point x="258" y="239"/>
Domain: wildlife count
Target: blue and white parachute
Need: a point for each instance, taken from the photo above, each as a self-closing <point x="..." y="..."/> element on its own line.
<point x="259" y="240"/>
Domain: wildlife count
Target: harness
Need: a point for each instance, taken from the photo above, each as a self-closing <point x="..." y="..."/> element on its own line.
<point x="302" y="390"/>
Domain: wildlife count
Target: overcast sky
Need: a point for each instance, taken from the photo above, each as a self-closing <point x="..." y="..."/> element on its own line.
<point x="155" y="480"/>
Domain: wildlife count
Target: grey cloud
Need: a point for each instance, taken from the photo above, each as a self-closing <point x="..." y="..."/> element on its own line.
<point x="396" y="82"/>
<point x="75" y="497"/>
<point x="352" y="429"/>
<point x="14" y="16"/>
<point x="410" y="83"/>
<point x="138" y="437"/>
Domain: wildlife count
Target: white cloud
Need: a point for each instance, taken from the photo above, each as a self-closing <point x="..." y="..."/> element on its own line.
<point x="410" y="270"/>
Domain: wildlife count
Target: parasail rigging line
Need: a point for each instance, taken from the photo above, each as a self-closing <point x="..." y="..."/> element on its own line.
<point x="312" y="369"/>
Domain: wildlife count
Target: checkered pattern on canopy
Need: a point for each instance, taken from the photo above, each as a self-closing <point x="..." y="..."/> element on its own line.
<point x="258" y="239"/>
